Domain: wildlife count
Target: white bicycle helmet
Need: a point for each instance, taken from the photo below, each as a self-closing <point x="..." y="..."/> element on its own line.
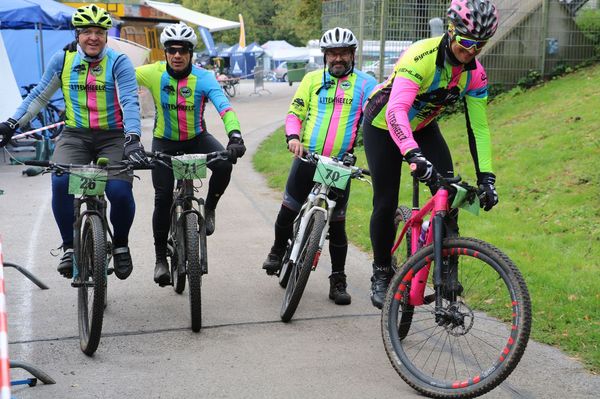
<point x="179" y="32"/>
<point x="338" y="38"/>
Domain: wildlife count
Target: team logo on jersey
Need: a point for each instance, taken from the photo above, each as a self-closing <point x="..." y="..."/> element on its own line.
<point x="168" y="89"/>
<point x="97" y="70"/>
<point x="298" y="103"/>
<point x="345" y="85"/>
<point x="185" y="91"/>
<point x="79" y="69"/>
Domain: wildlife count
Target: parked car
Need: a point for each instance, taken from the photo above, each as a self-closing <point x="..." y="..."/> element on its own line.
<point x="281" y="72"/>
<point x="372" y="67"/>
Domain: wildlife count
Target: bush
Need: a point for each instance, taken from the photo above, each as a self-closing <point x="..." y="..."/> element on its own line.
<point x="533" y="78"/>
<point x="589" y="23"/>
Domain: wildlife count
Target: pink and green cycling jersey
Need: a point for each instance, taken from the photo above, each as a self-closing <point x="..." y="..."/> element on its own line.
<point x="326" y="111"/>
<point x="422" y="84"/>
<point x="180" y="104"/>
<point x="99" y="95"/>
<point x="90" y="93"/>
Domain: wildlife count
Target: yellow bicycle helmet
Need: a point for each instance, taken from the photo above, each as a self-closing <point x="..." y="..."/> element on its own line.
<point x="91" y="15"/>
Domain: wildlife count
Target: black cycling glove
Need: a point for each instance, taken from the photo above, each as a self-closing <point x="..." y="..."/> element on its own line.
<point x="236" y="146"/>
<point x="488" y="195"/>
<point x="424" y="170"/>
<point x="134" y="150"/>
<point x="7" y="130"/>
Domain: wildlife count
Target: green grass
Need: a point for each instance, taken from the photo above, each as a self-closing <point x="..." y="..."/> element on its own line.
<point x="546" y="144"/>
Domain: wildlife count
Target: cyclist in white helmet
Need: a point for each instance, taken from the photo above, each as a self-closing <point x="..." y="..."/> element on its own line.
<point x="324" y="117"/>
<point x="181" y="91"/>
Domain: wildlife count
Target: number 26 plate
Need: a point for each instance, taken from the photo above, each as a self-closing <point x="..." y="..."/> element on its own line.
<point x="87" y="181"/>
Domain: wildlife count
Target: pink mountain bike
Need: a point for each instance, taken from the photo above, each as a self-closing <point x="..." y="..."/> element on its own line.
<point x="459" y="331"/>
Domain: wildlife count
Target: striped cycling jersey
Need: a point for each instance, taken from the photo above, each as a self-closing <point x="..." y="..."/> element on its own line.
<point x="180" y="104"/>
<point x="329" y="110"/>
<point x="99" y="95"/>
<point x="422" y="84"/>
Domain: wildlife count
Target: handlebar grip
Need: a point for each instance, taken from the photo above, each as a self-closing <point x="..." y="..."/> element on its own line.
<point x="366" y="172"/>
<point x="34" y="162"/>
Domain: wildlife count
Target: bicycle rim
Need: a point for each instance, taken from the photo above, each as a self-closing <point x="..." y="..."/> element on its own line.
<point x="92" y="292"/>
<point x="483" y="335"/>
<point x="194" y="269"/>
<point x="303" y="266"/>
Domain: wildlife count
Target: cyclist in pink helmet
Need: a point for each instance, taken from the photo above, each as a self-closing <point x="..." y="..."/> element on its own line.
<point x="400" y="122"/>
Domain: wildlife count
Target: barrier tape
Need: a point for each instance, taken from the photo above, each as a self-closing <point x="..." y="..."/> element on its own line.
<point x="4" y="362"/>
<point x="52" y="126"/>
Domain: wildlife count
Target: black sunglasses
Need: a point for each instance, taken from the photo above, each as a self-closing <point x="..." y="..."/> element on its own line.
<point x="175" y="50"/>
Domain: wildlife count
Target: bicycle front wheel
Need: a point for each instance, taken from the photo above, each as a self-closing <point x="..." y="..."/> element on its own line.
<point x="477" y="337"/>
<point x="177" y="241"/>
<point x="194" y="269"/>
<point x="91" y="264"/>
<point x="307" y="258"/>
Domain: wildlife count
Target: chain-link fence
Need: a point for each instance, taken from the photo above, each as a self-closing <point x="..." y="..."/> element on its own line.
<point x="540" y="35"/>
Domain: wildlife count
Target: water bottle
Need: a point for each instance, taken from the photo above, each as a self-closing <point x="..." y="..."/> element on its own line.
<point x="423" y="235"/>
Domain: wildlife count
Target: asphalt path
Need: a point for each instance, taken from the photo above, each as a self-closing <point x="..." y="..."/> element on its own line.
<point x="243" y="350"/>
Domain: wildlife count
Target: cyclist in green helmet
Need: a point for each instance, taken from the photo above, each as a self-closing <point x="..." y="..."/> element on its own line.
<point x="102" y="120"/>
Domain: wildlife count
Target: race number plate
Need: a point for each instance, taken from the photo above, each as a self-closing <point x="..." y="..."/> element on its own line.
<point x="87" y="181"/>
<point x="332" y="173"/>
<point x="467" y="202"/>
<point x="189" y="166"/>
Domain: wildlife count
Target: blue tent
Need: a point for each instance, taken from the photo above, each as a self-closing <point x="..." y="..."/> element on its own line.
<point x="33" y="30"/>
<point x="251" y="52"/>
<point x="30" y="14"/>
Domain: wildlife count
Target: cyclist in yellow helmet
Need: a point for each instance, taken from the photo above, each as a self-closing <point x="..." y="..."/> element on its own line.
<point x="102" y="120"/>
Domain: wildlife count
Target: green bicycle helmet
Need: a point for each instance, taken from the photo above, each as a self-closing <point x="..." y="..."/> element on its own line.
<point x="91" y="15"/>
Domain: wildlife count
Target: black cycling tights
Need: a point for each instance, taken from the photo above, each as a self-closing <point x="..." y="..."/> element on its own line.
<point x="163" y="181"/>
<point x="385" y="161"/>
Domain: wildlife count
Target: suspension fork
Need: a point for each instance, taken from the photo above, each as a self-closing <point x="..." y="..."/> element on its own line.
<point x="440" y="211"/>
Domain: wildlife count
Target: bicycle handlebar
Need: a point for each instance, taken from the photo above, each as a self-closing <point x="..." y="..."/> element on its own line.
<point x="313" y="157"/>
<point x="122" y="165"/>
<point x="165" y="159"/>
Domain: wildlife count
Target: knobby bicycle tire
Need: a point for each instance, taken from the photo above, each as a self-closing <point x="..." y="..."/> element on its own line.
<point x="230" y="90"/>
<point x="303" y="266"/>
<point x="92" y="270"/>
<point x="177" y="234"/>
<point x="203" y="246"/>
<point x="483" y="339"/>
<point x="194" y="269"/>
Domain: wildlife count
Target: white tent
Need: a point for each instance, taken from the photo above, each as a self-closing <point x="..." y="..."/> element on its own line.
<point x="10" y="91"/>
<point x="213" y="24"/>
<point x="280" y="50"/>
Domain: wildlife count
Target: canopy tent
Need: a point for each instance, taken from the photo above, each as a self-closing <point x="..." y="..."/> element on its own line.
<point x="213" y="24"/>
<point x="10" y="91"/>
<point x="280" y="50"/>
<point x="28" y="14"/>
<point x="32" y="30"/>
<point x="251" y="53"/>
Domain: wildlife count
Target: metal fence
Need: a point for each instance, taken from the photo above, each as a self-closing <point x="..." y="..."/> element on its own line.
<point x="540" y="35"/>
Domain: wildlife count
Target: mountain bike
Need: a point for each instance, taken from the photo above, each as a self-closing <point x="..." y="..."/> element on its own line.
<point x="460" y="331"/>
<point x="229" y="85"/>
<point x="186" y="245"/>
<point x="312" y="224"/>
<point x="92" y="246"/>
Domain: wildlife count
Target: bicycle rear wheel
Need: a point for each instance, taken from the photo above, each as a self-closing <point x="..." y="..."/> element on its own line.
<point x="478" y="336"/>
<point x="91" y="264"/>
<point x="307" y="257"/>
<point x="194" y="269"/>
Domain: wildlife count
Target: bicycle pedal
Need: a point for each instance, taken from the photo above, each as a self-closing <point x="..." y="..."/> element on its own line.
<point x="427" y="299"/>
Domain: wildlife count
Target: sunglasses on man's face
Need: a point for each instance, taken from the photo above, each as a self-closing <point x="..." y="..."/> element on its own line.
<point x="175" y="50"/>
<point x="468" y="44"/>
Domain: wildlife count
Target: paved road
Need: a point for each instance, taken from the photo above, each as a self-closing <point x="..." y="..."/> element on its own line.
<point x="243" y="351"/>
